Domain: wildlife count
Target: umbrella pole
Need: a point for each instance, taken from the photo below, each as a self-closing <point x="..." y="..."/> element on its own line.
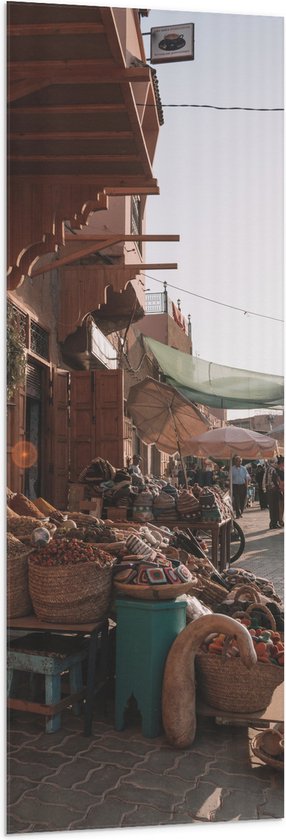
<point x="179" y="447"/>
<point x="230" y="477"/>
<point x="183" y="465"/>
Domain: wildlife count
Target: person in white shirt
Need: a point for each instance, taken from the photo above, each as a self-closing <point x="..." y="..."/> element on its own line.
<point x="240" y="479"/>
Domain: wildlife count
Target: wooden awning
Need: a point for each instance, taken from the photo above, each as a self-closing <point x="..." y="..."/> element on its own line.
<point x="75" y="131"/>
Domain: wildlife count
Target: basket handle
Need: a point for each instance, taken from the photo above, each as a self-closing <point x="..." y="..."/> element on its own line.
<point x="264" y="609"/>
<point x="249" y="590"/>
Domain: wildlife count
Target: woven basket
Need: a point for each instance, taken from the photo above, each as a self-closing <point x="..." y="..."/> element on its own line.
<point x="258" y="748"/>
<point x="67" y="594"/>
<point x="229" y="686"/>
<point x="19" y="602"/>
<point x="226" y="683"/>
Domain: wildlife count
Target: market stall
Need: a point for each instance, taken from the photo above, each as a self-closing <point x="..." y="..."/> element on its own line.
<point x="82" y="573"/>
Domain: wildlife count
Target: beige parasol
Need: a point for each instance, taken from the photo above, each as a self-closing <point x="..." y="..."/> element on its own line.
<point x="162" y="416"/>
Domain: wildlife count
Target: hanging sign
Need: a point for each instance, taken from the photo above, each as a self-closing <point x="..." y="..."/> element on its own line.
<point x="172" y="43"/>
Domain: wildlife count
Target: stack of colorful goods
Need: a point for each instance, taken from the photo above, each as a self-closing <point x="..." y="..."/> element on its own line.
<point x="164" y="507"/>
<point x="143" y="506"/>
<point x="188" y="506"/>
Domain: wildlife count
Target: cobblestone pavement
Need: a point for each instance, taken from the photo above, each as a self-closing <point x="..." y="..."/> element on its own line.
<point x="66" y="781"/>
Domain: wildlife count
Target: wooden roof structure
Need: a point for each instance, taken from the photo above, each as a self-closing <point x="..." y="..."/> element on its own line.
<point x="75" y="132"/>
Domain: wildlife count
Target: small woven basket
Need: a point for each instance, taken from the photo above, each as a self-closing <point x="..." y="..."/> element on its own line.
<point x="71" y="594"/>
<point x="19" y="602"/>
<point x="226" y="683"/>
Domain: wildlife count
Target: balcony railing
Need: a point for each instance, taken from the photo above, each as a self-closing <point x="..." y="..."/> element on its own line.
<point x="157" y="302"/>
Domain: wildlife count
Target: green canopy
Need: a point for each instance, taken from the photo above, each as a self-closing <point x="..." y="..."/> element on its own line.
<point x="216" y="385"/>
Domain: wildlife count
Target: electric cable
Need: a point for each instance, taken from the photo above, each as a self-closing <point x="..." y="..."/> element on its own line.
<point x="218" y="302"/>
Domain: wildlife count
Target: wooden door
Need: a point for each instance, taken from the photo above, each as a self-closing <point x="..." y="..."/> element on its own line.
<point x="96" y="419"/>
<point x="59" y="443"/>
<point x="82" y="421"/>
<point x="109" y="416"/>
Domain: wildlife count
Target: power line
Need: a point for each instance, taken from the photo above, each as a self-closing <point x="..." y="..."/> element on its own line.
<point x="218" y="302"/>
<point x="214" y="107"/>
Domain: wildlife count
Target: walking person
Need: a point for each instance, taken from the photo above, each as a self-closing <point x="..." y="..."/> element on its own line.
<point x="240" y="479"/>
<point x="262" y="496"/>
<point x="271" y="485"/>
<point x="280" y="474"/>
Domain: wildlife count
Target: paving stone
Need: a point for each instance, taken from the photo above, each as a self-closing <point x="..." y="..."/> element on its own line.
<point x="123" y="759"/>
<point x="105" y="778"/>
<point x="173" y="785"/>
<point x="143" y="815"/>
<point x="47" y="792"/>
<point x="200" y="802"/>
<point x="239" y="805"/>
<point x="15" y="826"/>
<point x="192" y="765"/>
<point x="134" y="746"/>
<point x="107" y="814"/>
<point x="76" y="771"/>
<point x="56" y="818"/>
<point x="274" y="804"/>
<point x="152" y="789"/>
<point x="16" y="787"/>
<point x="240" y="781"/>
<point x="32" y="756"/>
<point x="35" y="771"/>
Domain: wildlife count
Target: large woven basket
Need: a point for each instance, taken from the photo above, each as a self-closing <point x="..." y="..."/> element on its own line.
<point x="71" y="594"/>
<point x="226" y="683"/>
<point x="18" y="598"/>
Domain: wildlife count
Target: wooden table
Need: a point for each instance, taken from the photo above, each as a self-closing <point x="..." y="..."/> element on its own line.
<point x="93" y="631"/>
<point x="220" y="537"/>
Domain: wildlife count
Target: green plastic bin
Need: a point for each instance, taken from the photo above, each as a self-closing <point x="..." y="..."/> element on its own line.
<point x="144" y="634"/>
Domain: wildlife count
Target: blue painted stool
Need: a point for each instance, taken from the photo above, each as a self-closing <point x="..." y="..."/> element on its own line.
<point x="145" y="632"/>
<point x="51" y="656"/>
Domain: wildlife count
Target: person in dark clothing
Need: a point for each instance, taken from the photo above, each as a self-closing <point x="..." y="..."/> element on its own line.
<point x="270" y="483"/>
<point x="280" y="475"/>
<point x="262" y="495"/>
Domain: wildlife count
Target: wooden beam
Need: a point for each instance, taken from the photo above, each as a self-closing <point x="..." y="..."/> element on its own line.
<point x="72" y="256"/>
<point x="76" y="157"/>
<point x="120" y="184"/>
<point x="71" y="135"/>
<point x="28" y="30"/>
<point x="72" y="71"/>
<point x="124" y="237"/>
<point x="92" y="108"/>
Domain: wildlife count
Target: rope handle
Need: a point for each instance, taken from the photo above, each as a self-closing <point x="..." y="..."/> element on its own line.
<point x="265" y="610"/>
<point x="248" y="590"/>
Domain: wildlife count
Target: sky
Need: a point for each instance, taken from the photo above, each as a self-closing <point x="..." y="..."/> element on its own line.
<point x="220" y="174"/>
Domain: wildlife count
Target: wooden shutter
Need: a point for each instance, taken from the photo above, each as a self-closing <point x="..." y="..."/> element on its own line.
<point x="109" y="416"/>
<point x="82" y="421"/>
<point x="59" y="445"/>
<point x="96" y="419"/>
<point x="16" y="419"/>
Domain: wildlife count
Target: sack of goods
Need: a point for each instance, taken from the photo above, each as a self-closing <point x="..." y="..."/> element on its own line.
<point x="143" y="507"/>
<point x="187" y="505"/>
<point x="164" y="507"/>
<point x="70" y="581"/>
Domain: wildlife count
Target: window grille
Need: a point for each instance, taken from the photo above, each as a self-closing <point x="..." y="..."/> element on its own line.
<point x="136" y="221"/>
<point x="39" y="341"/>
<point x="22" y="322"/>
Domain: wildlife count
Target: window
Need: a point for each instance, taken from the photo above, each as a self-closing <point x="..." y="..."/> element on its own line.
<point x="136" y="218"/>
